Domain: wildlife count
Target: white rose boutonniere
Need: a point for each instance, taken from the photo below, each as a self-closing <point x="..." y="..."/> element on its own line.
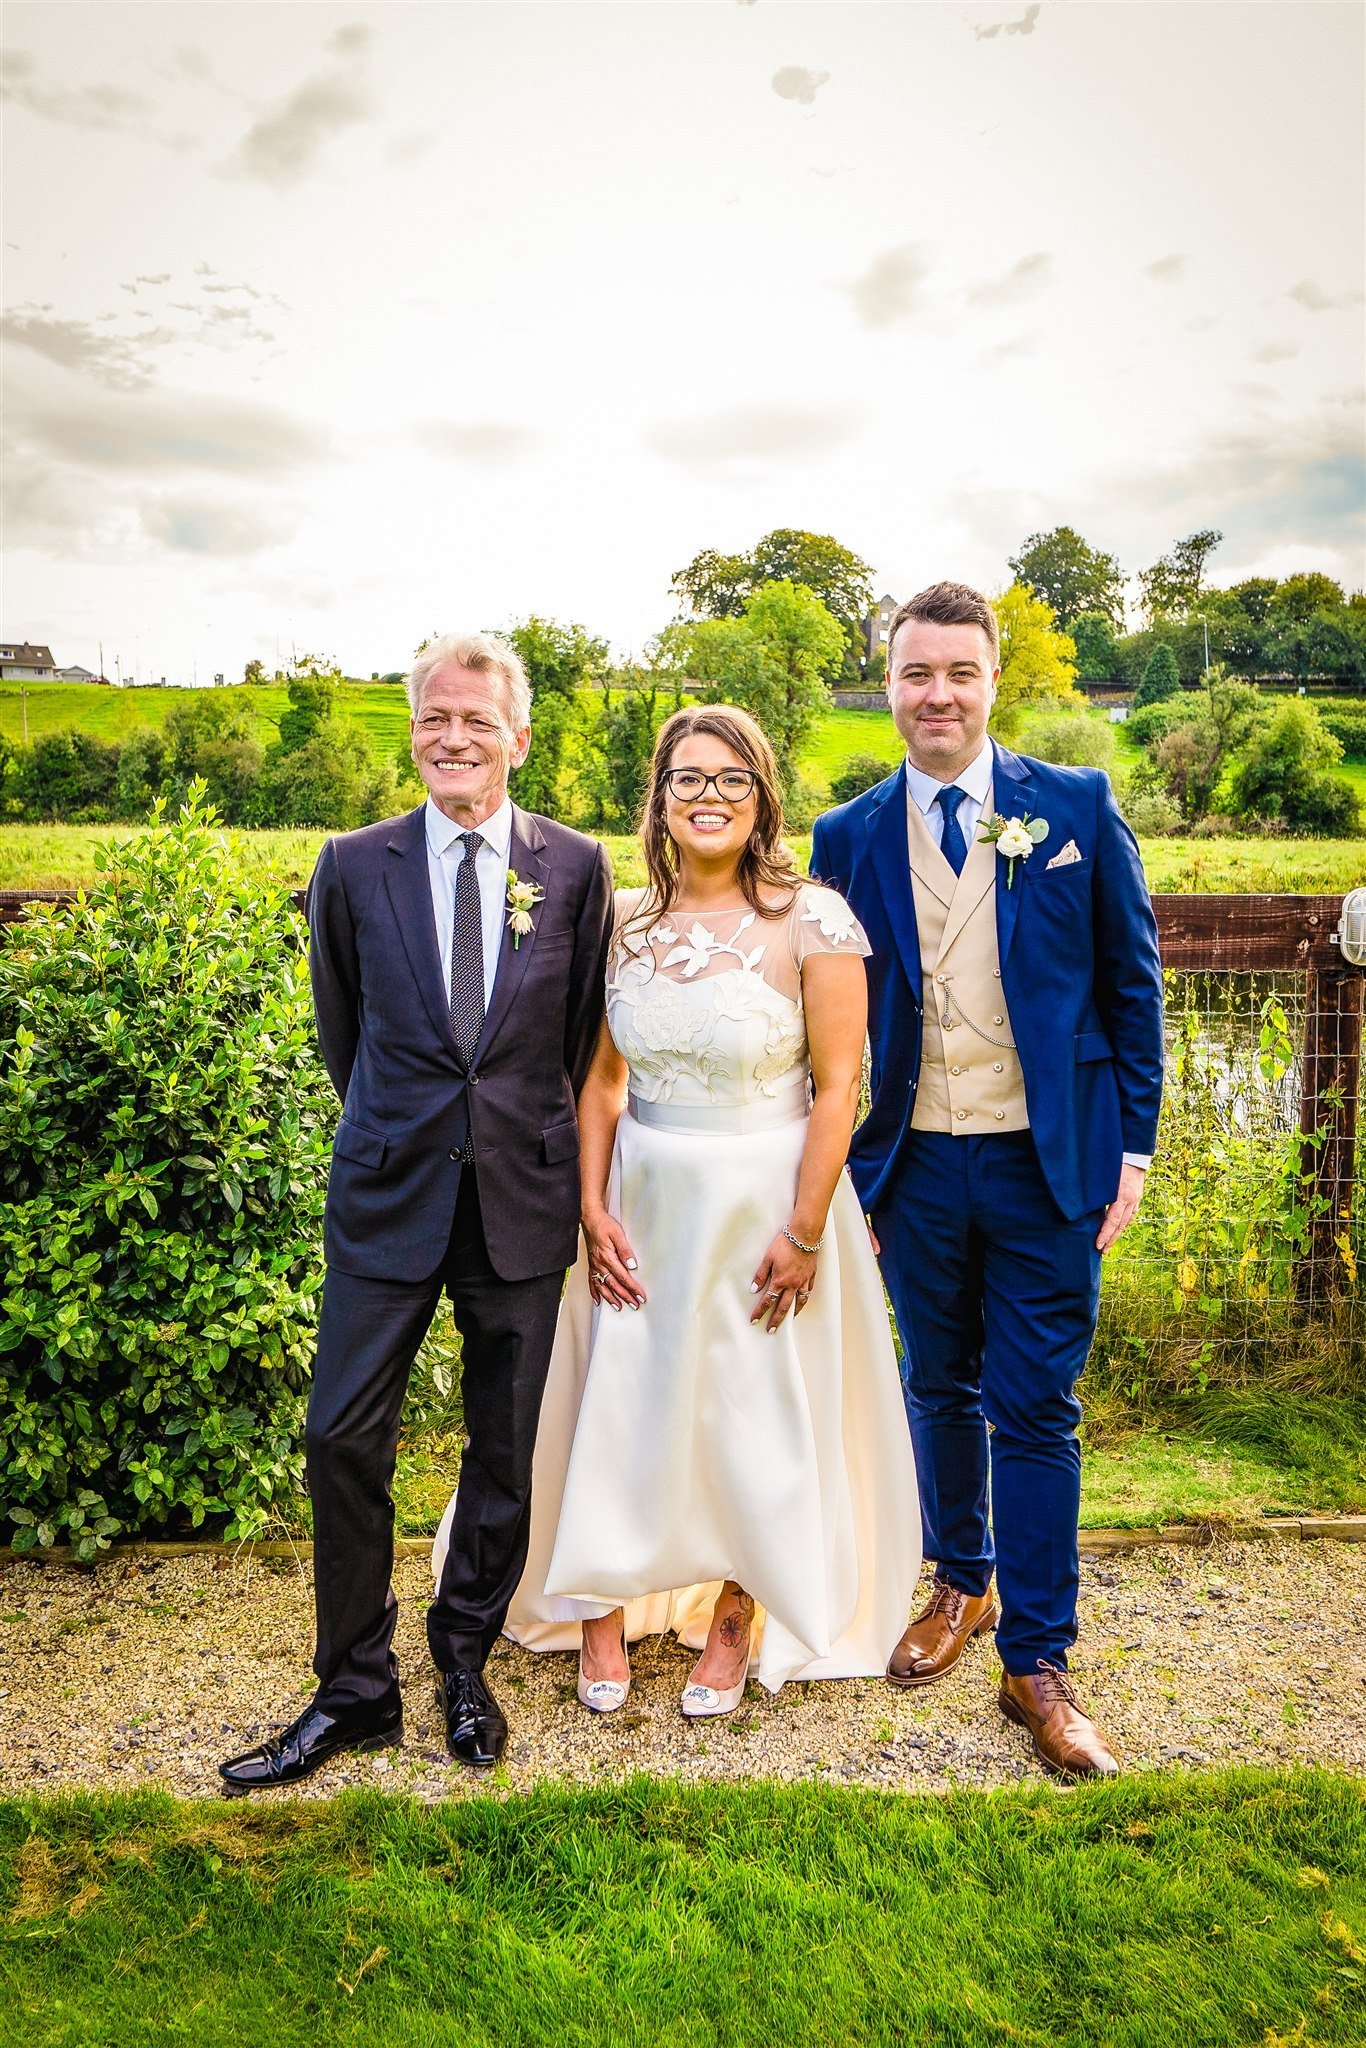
<point x="522" y="900"/>
<point x="1015" y="839"/>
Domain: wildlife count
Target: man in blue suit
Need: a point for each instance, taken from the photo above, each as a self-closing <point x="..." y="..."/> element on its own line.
<point x="1015" y="1018"/>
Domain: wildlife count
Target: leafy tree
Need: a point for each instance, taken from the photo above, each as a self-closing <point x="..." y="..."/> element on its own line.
<point x="70" y="776"/>
<point x="770" y="661"/>
<point x="1298" y="598"/>
<point x="1070" y="576"/>
<point x="1097" y="650"/>
<point x="1326" y="644"/>
<point x="714" y="586"/>
<point x="330" y="780"/>
<point x="1160" y="680"/>
<point x="1172" y="586"/>
<point x="1282" y="771"/>
<point x="1253" y="597"/>
<point x="721" y="586"/>
<point x="255" y="672"/>
<point x="875" y="672"/>
<point x="144" y="759"/>
<point x="1070" y="739"/>
<point x="558" y="659"/>
<point x="211" y="739"/>
<point x="1038" y="663"/>
<point x="1194" y="754"/>
<point x="312" y="705"/>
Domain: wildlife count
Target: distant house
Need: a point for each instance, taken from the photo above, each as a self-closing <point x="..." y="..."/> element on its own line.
<point x="874" y="627"/>
<point x="19" y="662"/>
<point x="77" y="675"/>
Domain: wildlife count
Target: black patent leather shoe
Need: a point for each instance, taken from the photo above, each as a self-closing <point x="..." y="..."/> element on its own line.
<point x="476" y="1726"/>
<point x="310" y="1742"/>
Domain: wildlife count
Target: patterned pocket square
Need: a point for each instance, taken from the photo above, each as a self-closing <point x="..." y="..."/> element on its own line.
<point x="1066" y="857"/>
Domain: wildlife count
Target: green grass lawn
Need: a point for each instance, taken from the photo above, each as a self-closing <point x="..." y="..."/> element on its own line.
<point x="1154" y="1912"/>
<point x="381" y="708"/>
<point x="62" y="857"/>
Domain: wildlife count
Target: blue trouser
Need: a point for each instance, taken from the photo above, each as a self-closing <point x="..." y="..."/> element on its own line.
<point x="995" y="1294"/>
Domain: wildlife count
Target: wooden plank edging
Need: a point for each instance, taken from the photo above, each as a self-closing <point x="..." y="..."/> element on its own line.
<point x="1183" y="1535"/>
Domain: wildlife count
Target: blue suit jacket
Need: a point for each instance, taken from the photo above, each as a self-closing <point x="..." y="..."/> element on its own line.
<point x="1079" y="965"/>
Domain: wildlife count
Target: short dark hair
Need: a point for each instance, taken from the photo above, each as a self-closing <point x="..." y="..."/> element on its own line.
<point x="947" y="604"/>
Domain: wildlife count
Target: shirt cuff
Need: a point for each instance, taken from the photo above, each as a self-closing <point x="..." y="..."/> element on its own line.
<point x="1142" y="1159"/>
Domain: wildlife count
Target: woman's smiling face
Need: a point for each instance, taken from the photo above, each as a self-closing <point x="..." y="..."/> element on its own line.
<point x="710" y="821"/>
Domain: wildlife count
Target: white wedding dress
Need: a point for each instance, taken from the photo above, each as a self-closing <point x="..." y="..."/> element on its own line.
<point x="679" y="1444"/>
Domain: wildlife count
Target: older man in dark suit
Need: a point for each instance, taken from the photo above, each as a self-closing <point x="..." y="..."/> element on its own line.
<point x="458" y="960"/>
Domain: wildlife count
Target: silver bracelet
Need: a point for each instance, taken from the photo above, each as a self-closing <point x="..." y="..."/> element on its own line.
<point x="809" y="1249"/>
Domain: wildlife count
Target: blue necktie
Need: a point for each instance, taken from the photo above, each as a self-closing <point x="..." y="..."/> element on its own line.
<point x="953" y="845"/>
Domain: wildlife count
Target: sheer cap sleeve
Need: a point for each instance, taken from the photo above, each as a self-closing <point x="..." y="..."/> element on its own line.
<point x="822" y="922"/>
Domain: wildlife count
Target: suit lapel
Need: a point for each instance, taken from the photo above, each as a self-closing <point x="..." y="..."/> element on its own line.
<point x="410" y="895"/>
<point x="530" y="863"/>
<point x="891" y="865"/>
<point x="979" y="872"/>
<point x="1015" y="798"/>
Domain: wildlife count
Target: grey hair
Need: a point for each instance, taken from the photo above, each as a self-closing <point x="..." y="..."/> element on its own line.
<point x="482" y="651"/>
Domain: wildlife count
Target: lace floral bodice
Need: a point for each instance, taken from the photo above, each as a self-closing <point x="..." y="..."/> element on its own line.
<point x="711" y="1011"/>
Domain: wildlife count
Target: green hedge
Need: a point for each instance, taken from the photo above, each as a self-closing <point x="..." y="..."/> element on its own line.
<point x="164" y="1123"/>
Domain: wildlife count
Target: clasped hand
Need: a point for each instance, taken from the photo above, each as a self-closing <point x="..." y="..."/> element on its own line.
<point x="783" y="1281"/>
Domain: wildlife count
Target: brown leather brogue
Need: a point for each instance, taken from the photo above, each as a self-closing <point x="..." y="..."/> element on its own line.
<point x="1066" y="1741"/>
<point x="937" y="1638"/>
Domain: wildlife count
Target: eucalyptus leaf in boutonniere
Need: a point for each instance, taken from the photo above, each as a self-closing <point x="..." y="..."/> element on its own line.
<point x="522" y="900"/>
<point x="1014" y="838"/>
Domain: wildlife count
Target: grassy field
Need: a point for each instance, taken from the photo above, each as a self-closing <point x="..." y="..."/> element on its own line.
<point x="112" y="714"/>
<point x="1161" y="1912"/>
<point x="62" y="857"/>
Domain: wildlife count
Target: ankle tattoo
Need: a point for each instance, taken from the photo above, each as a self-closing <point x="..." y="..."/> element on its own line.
<point x="734" y="1627"/>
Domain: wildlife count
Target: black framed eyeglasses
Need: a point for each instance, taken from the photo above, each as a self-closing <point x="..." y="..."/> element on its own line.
<point x="732" y="785"/>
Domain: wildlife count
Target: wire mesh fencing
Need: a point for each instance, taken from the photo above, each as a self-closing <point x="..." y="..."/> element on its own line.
<point x="1242" y="1265"/>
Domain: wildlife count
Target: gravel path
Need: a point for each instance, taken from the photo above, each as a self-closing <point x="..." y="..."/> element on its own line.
<point x="137" y="1673"/>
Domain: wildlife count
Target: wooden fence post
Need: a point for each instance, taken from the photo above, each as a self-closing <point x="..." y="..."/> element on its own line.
<point x="1328" y="1103"/>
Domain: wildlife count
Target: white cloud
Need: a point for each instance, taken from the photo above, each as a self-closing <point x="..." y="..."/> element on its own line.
<point x="1021" y="281"/>
<point x="795" y="82"/>
<point x="487" y="444"/>
<point x="1315" y="299"/>
<point x="893" y="286"/>
<point x="282" y="148"/>
<point x="762" y="435"/>
<point x="1166" y="269"/>
<point x="75" y="345"/>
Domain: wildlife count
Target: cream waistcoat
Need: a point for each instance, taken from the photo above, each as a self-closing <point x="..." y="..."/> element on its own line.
<point x="970" y="1079"/>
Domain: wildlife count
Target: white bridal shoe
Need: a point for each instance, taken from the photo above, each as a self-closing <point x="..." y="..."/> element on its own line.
<point x="604" y="1695"/>
<point x="699" y="1701"/>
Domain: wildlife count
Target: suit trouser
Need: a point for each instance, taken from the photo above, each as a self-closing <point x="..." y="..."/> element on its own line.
<point x="995" y="1295"/>
<point x="369" y="1332"/>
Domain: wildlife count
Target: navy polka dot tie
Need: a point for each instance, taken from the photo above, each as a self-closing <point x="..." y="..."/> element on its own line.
<point x="467" y="958"/>
<point x="953" y="845"/>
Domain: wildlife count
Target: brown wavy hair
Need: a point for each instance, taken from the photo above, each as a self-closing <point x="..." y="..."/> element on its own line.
<point x="765" y="865"/>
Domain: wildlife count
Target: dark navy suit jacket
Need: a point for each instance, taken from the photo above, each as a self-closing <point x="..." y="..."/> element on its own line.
<point x="407" y="1101"/>
<point x="1079" y="965"/>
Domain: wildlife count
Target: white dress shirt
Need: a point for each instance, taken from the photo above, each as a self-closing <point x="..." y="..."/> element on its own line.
<point x="445" y="851"/>
<point x="975" y="781"/>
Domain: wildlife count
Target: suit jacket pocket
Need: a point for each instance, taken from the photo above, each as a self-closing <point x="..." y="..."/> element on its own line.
<point x="560" y="1142"/>
<point x="1092" y="1045"/>
<point x="354" y="1142"/>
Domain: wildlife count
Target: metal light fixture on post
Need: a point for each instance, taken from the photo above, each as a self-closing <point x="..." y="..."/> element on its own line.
<point x="1350" y="935"/>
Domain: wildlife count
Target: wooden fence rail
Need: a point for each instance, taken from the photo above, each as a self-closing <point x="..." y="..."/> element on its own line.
<point x="1229" y="935"/>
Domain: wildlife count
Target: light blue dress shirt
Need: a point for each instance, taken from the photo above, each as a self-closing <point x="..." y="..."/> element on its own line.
<point x="444" y="855"/>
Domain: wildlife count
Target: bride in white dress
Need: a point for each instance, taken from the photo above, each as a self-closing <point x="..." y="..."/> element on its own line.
<point x="722" y="1448"/>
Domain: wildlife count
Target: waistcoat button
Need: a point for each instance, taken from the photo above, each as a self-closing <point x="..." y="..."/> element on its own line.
<point x="1000" y="1116"/>
<point x="962" y="1116"/>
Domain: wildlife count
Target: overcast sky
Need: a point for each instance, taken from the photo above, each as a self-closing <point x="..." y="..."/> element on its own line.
<point x="334" y="326"/>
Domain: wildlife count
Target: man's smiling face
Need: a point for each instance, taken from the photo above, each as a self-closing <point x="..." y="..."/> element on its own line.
<point x="463" y="745"/>
<point x="941" y="685"/>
